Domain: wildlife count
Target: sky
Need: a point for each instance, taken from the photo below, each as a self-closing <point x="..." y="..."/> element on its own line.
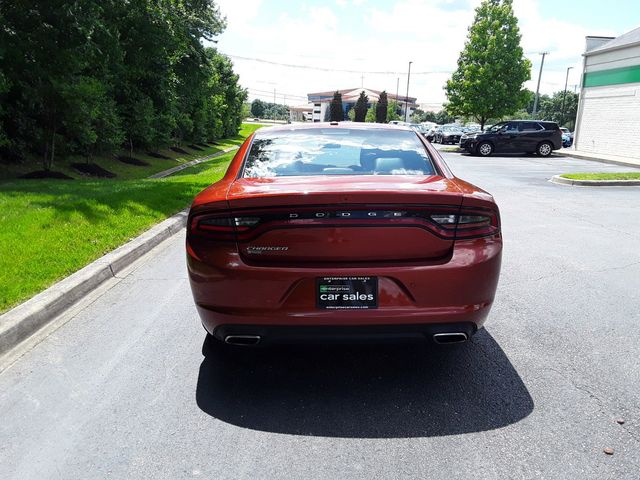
<point x="298" y="47"/>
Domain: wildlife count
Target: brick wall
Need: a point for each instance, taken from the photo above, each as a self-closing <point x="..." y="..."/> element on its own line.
<point x="610" y="121"/>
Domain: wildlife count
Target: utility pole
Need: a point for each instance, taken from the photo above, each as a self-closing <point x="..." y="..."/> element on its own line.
<point x="564" y="95"/>
<point x="535" y="102"/>
<point x="397" y="93"/>
<point x="406" y="98"/>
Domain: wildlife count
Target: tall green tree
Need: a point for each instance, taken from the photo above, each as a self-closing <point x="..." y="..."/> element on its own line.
<point x="381" y="108"/>
<point x="551" y="108"/>
<point x="371" y="114"/>
<point x="257" y="108"/>
<point x="336" y="111"/>
<point x="393" y="112"/>
<point x="360" y="107"/>
<point x="92" y="76"/>
<point x="492" y="69"/>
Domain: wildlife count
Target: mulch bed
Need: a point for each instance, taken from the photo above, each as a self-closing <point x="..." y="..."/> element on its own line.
<point x="179" y="150"/>
<point x="132" y="161"/>
<point x="46" y="174"/>
<point x="158" y="155"/>
<point x="93" y="170"/>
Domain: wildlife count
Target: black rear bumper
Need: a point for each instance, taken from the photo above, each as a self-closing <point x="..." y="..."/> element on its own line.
<point x="285" y="334"/>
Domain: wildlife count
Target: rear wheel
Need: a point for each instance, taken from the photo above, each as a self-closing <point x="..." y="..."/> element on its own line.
<point x="484" y="149"/>
<point x="544" y="149"/>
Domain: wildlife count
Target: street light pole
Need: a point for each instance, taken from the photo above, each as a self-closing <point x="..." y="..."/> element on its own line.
<point x="535" y="102"/>
<point x="406" y="98"/>
<point x="397" y="93"/>
<point x="564" y="95"/>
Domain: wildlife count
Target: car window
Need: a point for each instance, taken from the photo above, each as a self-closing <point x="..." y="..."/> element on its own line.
<point x="496" y="127"/>
<point x="337" y="151"/>
<point x="531" y="126"/>
<point x="512" y="127"/>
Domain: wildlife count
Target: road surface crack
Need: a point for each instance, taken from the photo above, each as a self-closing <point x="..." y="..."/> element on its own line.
<point x="603" y="407"/>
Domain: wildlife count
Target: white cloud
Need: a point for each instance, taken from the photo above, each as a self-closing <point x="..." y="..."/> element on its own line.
<point x="431" y="34"/>
<point x="240" y="14"/>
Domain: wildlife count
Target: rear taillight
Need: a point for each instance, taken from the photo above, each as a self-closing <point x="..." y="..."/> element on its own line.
<point x="219" y="227"/>
<point x="449" y="223"/>
<point x="468" y="223"/>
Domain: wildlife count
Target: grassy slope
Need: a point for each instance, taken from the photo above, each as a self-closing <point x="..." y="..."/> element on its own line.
<point x="51" y="228"/>
<point x="603" y="176"/>
<point x="125" y="171"/>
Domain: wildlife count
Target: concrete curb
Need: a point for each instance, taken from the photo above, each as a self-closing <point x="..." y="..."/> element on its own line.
<point x="21" y="322"/>
<point x="171" y="171"/>
<point x="610" y="161"/>
<point x="594" y="183"/>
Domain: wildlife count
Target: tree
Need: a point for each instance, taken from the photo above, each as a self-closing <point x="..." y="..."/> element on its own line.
<point x="86" y="77"/>
<point x="381" y="108"/>
<point x="491" y="68"/>
<point x="393" y="112"/>
<point x="442" y="117"/>
<point x="361" y="107"/>
<point x="4" y="87"/>
<point x="336" y="112"/>
<point x="257" y="108"/>
<point x="371" y="114"/>
<point x="246" y="110"/>
<point x="551" y="108"/>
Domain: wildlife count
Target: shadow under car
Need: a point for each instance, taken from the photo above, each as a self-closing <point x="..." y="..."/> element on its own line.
<point x="363" y="391"/>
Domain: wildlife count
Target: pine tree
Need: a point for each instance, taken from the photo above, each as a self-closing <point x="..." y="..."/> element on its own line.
<point x="492" y="69"/>
<point x="381" y="108"/>
<point x="361" y="107"/>
<point x="336" y="111"/>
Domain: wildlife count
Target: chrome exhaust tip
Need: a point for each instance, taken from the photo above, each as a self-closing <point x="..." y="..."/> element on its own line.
<point x="450" y="337"/>
<point x="245" y="340"/>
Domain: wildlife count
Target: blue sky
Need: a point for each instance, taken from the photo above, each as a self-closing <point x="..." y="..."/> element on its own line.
<point x="366" y="36"/>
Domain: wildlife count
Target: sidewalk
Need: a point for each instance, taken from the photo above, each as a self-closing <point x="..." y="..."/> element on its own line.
<point x="599" y="157"/>
<point x="171" y="171"/>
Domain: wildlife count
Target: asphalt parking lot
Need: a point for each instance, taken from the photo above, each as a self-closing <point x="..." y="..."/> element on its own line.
<point x="127" y="388"/>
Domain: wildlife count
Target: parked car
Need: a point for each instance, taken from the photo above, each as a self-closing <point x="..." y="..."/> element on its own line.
<point x="431" y="134"/>
<point x="421" y="129"/>
<point x="347" y="230"/>
<point x="448" y="134"/>
<point x="567" y="140"/>
<point x="515" y="136"/>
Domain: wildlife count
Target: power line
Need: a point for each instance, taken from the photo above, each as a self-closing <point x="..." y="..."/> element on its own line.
<point x="323" y="69"/>
<point x="279" y="92"/>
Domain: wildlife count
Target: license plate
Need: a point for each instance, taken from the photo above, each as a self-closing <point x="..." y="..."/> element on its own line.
<point x="347" y="293"/>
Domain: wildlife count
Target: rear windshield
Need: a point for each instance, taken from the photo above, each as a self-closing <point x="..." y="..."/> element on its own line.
<point x="337" y="151"/>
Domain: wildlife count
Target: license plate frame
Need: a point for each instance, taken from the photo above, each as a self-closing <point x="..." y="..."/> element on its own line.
<point x="347" y="292"/>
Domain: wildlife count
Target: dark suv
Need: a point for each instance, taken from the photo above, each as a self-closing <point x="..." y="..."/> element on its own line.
<point x="515" y="136"/>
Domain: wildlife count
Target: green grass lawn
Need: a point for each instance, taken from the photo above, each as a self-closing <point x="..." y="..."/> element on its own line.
<point x="603" y="176"/>
<point x="52" y="228"/>
<point x="125" y="171"/>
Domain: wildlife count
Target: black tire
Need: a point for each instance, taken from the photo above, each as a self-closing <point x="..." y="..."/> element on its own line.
<point x="484" y="149"/>
<point x="544" y="149"/>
